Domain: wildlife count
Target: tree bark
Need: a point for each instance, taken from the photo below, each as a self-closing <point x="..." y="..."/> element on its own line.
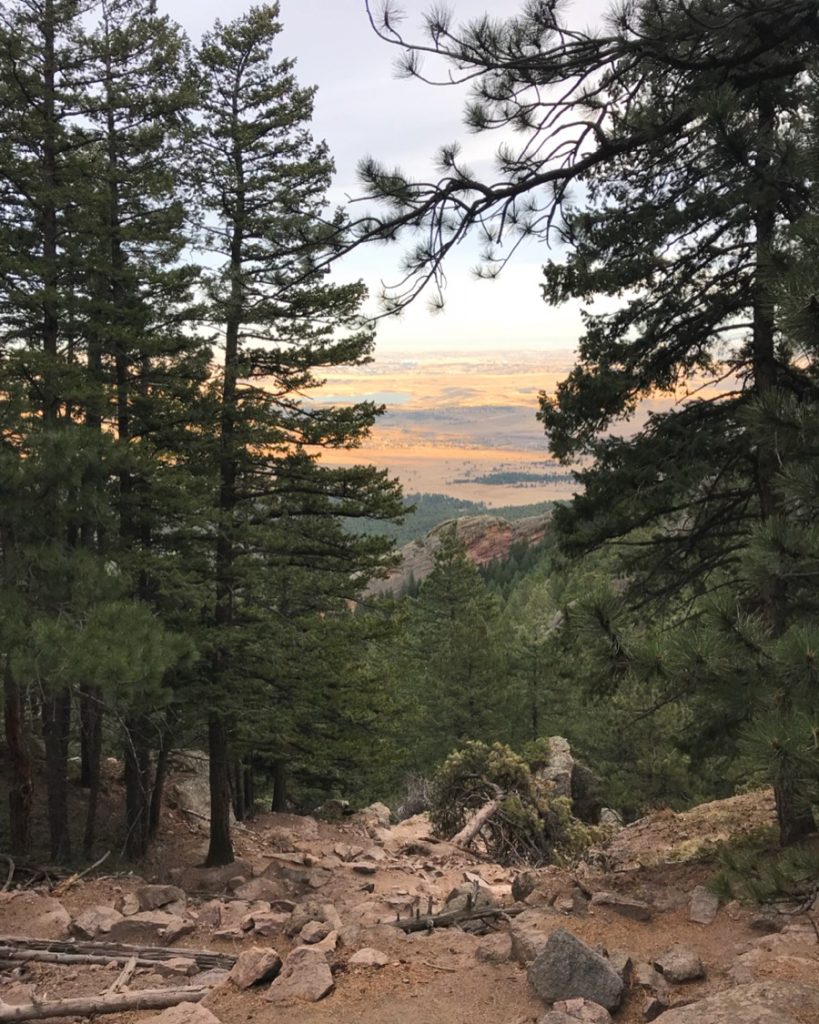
<point x="105" y="952"/>
<point x="220" y="849"/>
<point x="20" y="786"/>
<point x="158" y="789"/>
<point x="148" y="999"/>
<point x="238" y="790"/>
<point x="137" y="788"/>
<point x="56" y="723"/>
<point x="249" y="783"/>
<point x="91" y="711"/>
<point x="473" y="827"/>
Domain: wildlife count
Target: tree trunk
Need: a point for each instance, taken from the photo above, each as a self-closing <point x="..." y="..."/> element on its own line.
<point x="20" y="787"/>
<point x="90" y="1006"/>
<point x="220" y="850"/>
<point x="137" y="788"/>
<point x="238" y="790"/>
<point x="248" y="782"/>
<point x="279" y="802"/>
<point x="56" y="724"/>
<point x="158" y="790"/>
<point x="91" y="711"/>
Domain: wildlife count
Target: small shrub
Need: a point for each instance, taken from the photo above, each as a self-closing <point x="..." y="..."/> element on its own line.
<point x="529" y="826"/>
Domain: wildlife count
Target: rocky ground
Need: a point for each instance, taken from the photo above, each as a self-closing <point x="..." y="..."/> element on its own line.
<point x="310" y="918"/>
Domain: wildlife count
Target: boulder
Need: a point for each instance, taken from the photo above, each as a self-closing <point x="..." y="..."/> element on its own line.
<point x="327" y="946"/>
<point x="305" y="976"/>
<point x="761" y="1002"/>
<point x="529" y="933"/>
<point x="333" y="810"/>
<point x="635" y="910"/>
<point x="558" y="772"/>
<point x="176" y="928"/>
<point x="567" y="968"/>
<point x="680" y="964"/>
<point x="210" y="880"/>
<point x="523" y="884"/>
<point x="377" y="814"/>
<point x="470" y="896"/>
<point x="184" y="1013"/>
<point x="494" y="949"/>
<point x="147" y="928"/>
<point x="369" y="957"/>
<point x="158" y="897"/>
<point x="314" y="931"/>
<point x="30" y="915"/>
<point x="254" y="966"/>
<point x="260" y="889"/>
<point x="583" y="1010"/>
<point x="267" y="924"/>
<point x="703" y="906"/>
<point x="177" y="965"/>
<point x="312" y="911"/>
<point x="95" y="921"/>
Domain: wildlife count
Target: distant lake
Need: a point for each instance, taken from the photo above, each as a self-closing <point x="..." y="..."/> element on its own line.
<point x="379" y="397"/>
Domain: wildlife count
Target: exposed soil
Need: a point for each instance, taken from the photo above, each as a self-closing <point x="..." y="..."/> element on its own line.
<point x="435" y="978"/>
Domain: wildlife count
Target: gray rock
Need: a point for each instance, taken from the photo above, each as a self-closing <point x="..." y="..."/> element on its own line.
<point x="524" y="884"/>
<point x="703" y="906"/>
<point x="622" y="963"/>
<point x="146" y="928"/>
<point x="584" y="1010"/>
<point x="470" y="895"/>
<point x="314" y="931"/>
<point x="267" y="924"/>
<point x="255" y="966"/>
<point x="39" y="917"/>
<point x="762" y="1002"/>
<point x="260" y="889"/>
<point x="95" y="921"/>
<point x="369" y="957"/>
<point x="653" y="1006"/>
<point x="176" y="966"/>
<point x="312" y="911"/>
<point x="611" y="819"/>
<point x="377" y="814"/>
<point x="157" y="897"/>
<point x="494" y="949"/>
<point x="556" y="1017"/>
<point x="567" y="968"/>
<point x="680" y="964"/>
<point x="305" y="976"/>
<point x="184" y="1013"/>
<point x="529" y="933"/>
<point x="635" y="910"/>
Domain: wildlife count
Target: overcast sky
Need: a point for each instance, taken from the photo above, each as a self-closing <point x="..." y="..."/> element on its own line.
<point x="362" y="109"/>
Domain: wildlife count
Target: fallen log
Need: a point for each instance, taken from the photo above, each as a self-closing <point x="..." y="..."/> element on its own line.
<point x="87" y="1006"/>
<point x="112" y="951"/>
<point x="479" y="819"/>
<point x="427" y="922"/>
<point x="125" y="975"/>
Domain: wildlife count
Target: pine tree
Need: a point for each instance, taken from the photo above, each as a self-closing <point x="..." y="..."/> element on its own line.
<point x="456" y="655"/>
<point x="263" y="181"/>
<point x="691" y="121"/>
<point x="147" y="364"/>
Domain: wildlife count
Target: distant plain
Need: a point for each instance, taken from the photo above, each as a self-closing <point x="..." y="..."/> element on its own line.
<point x="454" y="419"/>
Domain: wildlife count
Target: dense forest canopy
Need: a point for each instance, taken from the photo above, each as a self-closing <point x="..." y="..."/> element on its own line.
<point x="178" y="567"/>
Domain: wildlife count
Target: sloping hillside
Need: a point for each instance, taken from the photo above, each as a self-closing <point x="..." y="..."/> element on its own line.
<point x="487" y="538"/>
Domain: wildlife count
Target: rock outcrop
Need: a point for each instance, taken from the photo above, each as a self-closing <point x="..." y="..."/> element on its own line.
<point x="486" y="539"/>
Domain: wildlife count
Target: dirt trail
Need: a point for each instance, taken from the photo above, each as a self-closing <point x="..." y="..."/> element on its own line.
<point x="371" y="874"/>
